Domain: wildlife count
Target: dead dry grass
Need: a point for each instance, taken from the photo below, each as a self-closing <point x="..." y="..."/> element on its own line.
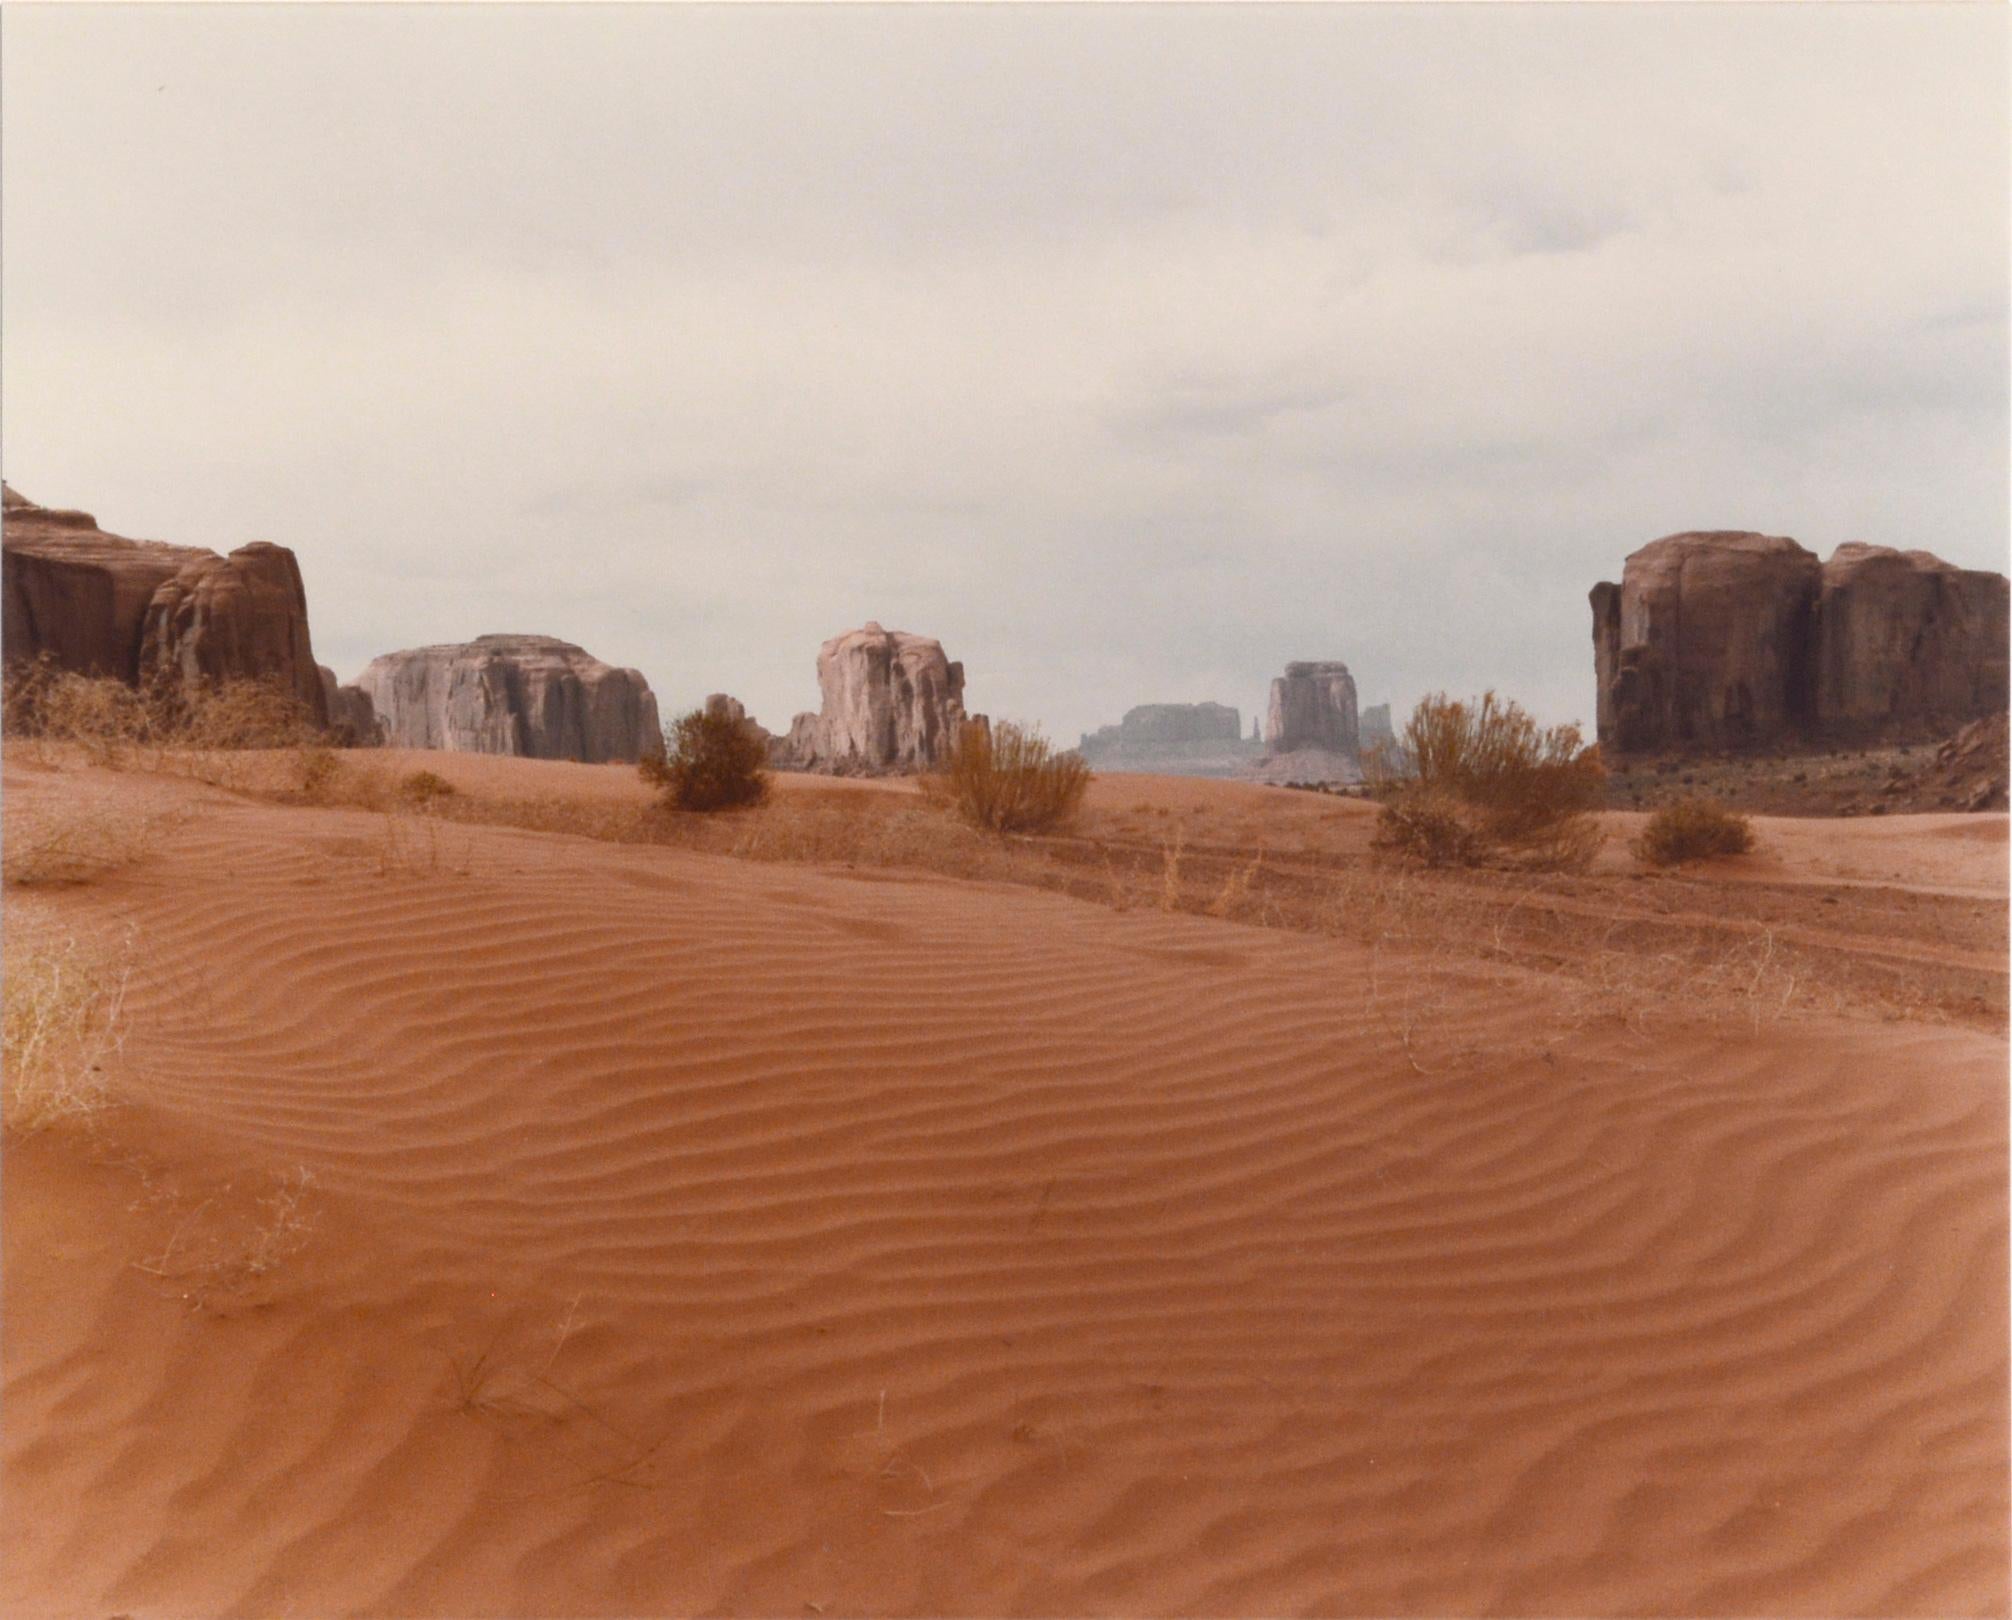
<point x="1008" y="778"/>
<point x="1487" y="785"/>
<point x="69" y="842"/>
<point x="1628" y="955"/>
<point x="203" y="729"/>
<point x="64" y="1024"/>
<point x="243" y="1231"/>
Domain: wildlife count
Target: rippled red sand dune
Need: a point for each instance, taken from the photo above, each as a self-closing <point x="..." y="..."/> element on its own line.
<point x="558" y="1227"/>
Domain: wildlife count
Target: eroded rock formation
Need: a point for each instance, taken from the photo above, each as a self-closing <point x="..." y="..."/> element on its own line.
<point x="1150" y="723"/>
<point x="720" y="706"/>
<point x="1375" y="727"/>
<point x="1311" y="731"/>
<point x="534" y="696"/>
<point x="352" y="717"/>
<point x="1175" y="739"/>
<point x="1727" y="640"/>
<point x="1906" y="644"/>
<point x="100" y="604"/>
<point x="892" y="704"/>
<point x="1313" y="706"/>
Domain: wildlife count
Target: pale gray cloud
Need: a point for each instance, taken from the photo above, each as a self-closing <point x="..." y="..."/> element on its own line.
<point x="1132" y="351"/>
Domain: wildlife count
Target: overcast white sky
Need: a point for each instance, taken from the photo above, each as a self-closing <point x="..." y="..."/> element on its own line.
<point x="1132" y="352"/>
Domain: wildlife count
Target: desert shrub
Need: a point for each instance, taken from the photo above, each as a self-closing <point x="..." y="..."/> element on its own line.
<point x="710" y="762"/>
<point x="111" y="720"/>
<point x="1431" y="825"/>
<point x="1385" y="767"/>
<point x="24" y="693"/>
<point x="423" y="787"/>
<point x="61" y="1028"/>
<point x="1691" y="829"/>
<point x="1009" y="778"/>
<point x="72" y="842"/>
<point x="318" y="771"/>
<point x="1486" y="781"/>
<point x="239" y="713"/>
<point x="104" y="716"/>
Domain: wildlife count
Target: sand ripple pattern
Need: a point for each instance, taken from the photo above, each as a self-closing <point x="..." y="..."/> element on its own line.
<point x="694" y="1236"/>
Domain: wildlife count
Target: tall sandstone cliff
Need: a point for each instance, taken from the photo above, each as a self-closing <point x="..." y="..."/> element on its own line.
<point x="533" y="696"/>
<point x="140" y="610"/>
<point x="1727" y="640"/>
<point x="892" y="705"/>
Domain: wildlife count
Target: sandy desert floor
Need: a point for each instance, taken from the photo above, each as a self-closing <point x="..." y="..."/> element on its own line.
<point x="1193" y="1217"/>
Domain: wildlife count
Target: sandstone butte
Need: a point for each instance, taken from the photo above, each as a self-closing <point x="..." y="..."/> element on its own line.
<point x="533" y="696"/>
<point x="139" y="610"/>
<point x="1728" y="640"/>
<point x="892" y="705"/>
<point x="1311" y="731"/>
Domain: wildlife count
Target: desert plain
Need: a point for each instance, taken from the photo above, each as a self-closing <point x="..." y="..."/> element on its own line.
<point x="521" y="1202"/>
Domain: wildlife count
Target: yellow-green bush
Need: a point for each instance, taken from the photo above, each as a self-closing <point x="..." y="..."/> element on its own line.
<point x="1690" y="830"/>
<point x="1009" y="778"/>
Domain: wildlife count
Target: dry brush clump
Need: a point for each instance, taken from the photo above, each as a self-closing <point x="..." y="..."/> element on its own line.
<point x="61" y="1026"/>
<point x="1691" y="830"/>
<point x="1486" y="784"/>
<point x="1009" y="779"/>
<point x="711" y="761"/>
<point x="424" y="788"/>
<point x="193" y="726"/>
<point x="66" y="843"/>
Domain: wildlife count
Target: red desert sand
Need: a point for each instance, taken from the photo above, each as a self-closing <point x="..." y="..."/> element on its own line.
<point x="554" y="1226"/>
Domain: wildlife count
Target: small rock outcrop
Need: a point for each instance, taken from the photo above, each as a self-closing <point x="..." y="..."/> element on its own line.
<point x="1172" y="739"/>
<point x="893" y="705"/>
<point x="533" y="696"/>
<point x="141" y="610"/>
<point x="719" y="706"/>
<point x="352" y="717"/>
<point x="1376" y="728"/>
<point x="1723" y="641"/>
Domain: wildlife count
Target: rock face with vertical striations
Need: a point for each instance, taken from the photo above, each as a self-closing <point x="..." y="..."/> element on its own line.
<point x="534" y="696"/>
<point x="1311" y="731"/>
<point x="893" y="705"/>
<point x="1726" y="640"/>
<point x="1313" y="706"/>
<point x="141" y="610"/>
<point x="1906" y="644"/>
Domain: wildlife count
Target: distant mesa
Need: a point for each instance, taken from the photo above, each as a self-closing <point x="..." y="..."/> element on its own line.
<point x="1727" y="640"/>
<point x="893" y="705"/>
<point x="139" y="610"/>
<point x="1173" y="739"/>
<point x="533" y="696"/>
<point x="1312" y="733"/>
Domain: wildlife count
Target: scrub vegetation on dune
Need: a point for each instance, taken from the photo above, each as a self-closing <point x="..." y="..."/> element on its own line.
<point x="1690" y="830"/>
<point x="197" y="728"/>
<point x="1486" y="783"/>
<point x="1009" y="778"/>
<point x="711" y="761"/>
<point x="64" y="1025"/>
<point x="72" y="843"/>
